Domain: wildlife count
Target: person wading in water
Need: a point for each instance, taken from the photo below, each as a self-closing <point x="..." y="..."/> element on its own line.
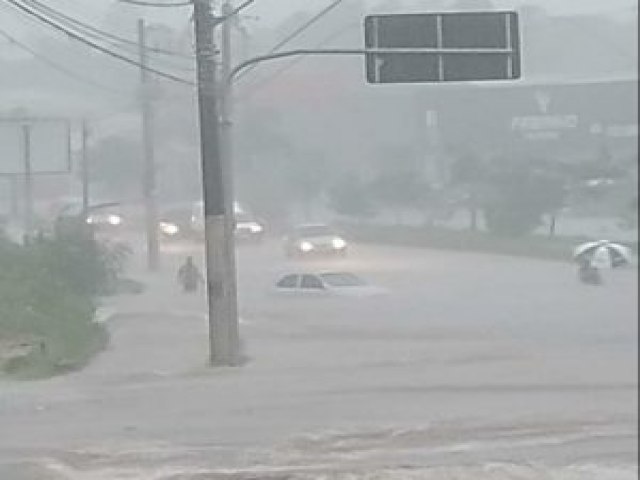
<point x="189" y="276"/>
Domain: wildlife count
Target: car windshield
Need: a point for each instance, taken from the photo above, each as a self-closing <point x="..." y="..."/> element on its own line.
<point x="342" y="279"/>
<point x="419" y="258"/>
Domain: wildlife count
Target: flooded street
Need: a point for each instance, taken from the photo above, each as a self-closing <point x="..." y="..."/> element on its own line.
<point x="541" y="379"/>
<point x="434" y="212"/>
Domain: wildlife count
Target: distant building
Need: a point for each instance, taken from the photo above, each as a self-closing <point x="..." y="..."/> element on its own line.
<point x="569" y="121"/>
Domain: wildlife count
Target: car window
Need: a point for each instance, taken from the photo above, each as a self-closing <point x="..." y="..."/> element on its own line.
<point x="290" y="281"/>
<point x="312" y="282"/>
<point x="342" y="279"/>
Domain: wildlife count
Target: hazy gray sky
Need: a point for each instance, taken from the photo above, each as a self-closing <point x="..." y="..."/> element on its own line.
<point x="273" y="11"/>
<point x="277" y="9"/>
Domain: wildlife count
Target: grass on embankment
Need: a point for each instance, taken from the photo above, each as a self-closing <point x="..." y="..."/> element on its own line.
<point x="42" y="344"/>
<point x="48" y="289"/>
<point x="532" y="246"/>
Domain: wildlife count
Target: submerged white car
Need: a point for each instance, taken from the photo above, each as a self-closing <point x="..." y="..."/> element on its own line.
<point x="343" y="284"/>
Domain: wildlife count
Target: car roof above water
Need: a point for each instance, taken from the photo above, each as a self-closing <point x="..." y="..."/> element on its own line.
<point x="317" y="273"/>
<point x="310" y="227"/>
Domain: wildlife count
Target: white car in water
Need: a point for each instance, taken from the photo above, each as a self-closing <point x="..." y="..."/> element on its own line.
<point x="342" y="284"/>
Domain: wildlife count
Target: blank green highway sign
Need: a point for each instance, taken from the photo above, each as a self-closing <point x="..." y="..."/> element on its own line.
<point x="442" y="47"/>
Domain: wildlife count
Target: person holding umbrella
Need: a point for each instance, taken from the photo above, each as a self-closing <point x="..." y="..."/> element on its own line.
<point x="588" y="273"/>
<point x="603" y="253"/>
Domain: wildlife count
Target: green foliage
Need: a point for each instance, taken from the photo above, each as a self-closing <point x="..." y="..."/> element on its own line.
<point x="399" y="189"/>
<point x="467" y="169"/>
<point x="629" y="214"/>
<point x="39" y="307"/>
<point x="468" y="177"/>
<point x="47" y="291"/>
<point x="88" y="266"/>
<point x="517" y="195"/>
<point x="349" y="197"/>
<point x="533" y="246"/>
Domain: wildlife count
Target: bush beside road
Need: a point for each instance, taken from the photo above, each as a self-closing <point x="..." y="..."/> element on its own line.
<point x="48" y="291"/>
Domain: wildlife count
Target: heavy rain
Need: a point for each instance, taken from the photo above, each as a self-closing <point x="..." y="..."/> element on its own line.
<point x="320" y="239"/>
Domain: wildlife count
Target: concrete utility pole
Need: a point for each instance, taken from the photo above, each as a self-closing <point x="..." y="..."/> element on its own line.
<point x="221" y="276"/>
<point x="28" y="180"/>
<point x="15" y="195"/>
<point x="85" y="171"/>
<point x="149" y="179"/>
<point x="226" y="145"/>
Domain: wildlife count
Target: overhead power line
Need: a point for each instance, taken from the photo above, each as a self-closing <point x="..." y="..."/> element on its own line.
<point x="60" y="68"/>
<point x="240" y="8"/>
<point x="96" y="32"/>
<point x="96" y="46"/>
<point x="298" y="31"/>
<point x="264" y="83"/>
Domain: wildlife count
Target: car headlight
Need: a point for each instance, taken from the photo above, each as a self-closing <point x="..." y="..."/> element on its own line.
<point x="255" y="228"/>
<point x="114" y="220"/>
<point x="338" y="243"/>
<point x="306" y="246"/>
<point x="169" y="228"/>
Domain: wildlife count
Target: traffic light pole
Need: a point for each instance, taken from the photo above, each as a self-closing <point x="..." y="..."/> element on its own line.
<point x="221" y="276"/>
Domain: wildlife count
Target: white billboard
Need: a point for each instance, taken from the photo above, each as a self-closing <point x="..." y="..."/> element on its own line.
<point x="47" y="141"/>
